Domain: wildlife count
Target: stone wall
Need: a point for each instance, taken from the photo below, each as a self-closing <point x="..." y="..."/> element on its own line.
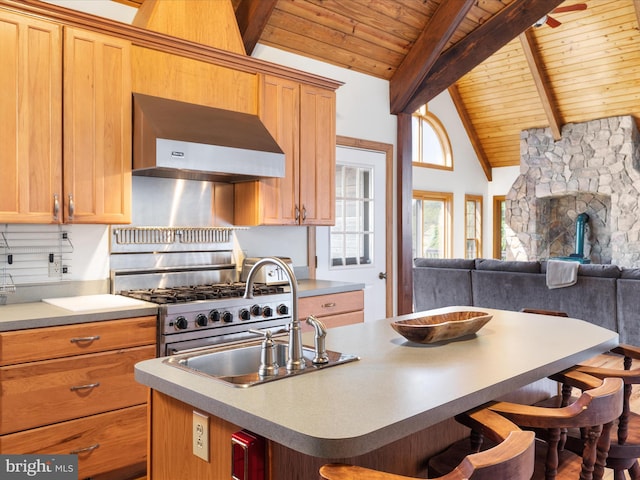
<point x="594" y="168"/>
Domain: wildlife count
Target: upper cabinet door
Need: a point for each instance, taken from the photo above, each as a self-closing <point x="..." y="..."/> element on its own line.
<point x="280" y="106"/>
<point x="302" y="119"/>
<point x="317" y="156"/>
<point x="30" y="120"/>
<point x="97" y="128"/>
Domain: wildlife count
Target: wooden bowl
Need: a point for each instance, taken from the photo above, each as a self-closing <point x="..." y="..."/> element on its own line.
<point x="443" y="326"/>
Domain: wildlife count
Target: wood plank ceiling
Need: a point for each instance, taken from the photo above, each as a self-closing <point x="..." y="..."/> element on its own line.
<point x="502" y="80"/>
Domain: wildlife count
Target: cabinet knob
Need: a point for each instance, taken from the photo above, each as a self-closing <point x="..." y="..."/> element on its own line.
<point x="297" y="213"/>
<point x="304" y="213"/>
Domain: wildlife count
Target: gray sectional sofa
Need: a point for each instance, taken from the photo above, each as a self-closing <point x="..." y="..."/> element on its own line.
<point x="606" y="295"/>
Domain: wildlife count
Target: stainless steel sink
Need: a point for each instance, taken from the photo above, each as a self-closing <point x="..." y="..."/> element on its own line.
<point x="237" y="365"/>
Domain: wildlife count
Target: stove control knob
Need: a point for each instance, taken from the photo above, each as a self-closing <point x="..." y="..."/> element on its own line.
<point x="201" y="320"/>
<point x="282" y="309"/>
<point x="181" y="323"/>
<point x="214" y="315"/>
<point x="244" y="314"/>
<point x="256" y="310"/>
<point x="227" y="317"/>
<point x="267" y="312"/>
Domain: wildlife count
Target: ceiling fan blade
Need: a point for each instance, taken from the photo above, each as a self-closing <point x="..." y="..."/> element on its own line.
<point x="552" y="22"/>
<point x="570" y="8"/>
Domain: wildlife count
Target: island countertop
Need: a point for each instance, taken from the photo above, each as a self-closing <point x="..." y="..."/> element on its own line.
<point x="397" y="387"/>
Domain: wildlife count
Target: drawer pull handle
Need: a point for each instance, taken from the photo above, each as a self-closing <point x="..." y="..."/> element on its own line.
<point x="85" y="449"/>
<point x="85" y="387"/>
<point x="328" y="305"/>
<point x="85" y="339"/>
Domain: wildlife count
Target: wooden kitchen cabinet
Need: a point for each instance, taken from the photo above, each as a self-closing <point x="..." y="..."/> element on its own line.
<point x="335" y="310"/>
<point x="86" y="136"/>
<point x="97" y="128"/>
<point x="72" y="389"/>
<point x="30" y="118"/>
<point x="302" y="120"/>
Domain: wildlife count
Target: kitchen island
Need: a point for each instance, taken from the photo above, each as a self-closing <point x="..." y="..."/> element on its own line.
<point x="397" y="389"/>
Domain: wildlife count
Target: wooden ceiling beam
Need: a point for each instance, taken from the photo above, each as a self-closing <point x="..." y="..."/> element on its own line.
<point x="636" y="5"/>
<point x="541" y="82"/>
<point x="252" y="17"/>
<point x="471" y="131"/>
<point x="426" y="50"/>
<point x="478" y="46"/>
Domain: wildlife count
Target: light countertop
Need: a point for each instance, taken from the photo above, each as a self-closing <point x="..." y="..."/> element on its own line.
<point x="396" y="388"/>
<point x="20" y="316"/>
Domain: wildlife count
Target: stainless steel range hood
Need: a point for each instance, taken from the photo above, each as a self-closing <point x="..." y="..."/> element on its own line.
<point x="173" y="139"/>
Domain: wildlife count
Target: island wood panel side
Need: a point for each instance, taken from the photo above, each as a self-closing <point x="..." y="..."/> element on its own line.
<point x="408" y="456"/>
<point x="179" y="78"/>
<point x="171" y="443"/>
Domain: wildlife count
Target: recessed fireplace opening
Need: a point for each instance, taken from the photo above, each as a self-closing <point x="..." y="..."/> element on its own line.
<point x="560" y="215"/>
<point x="592" y="169"/>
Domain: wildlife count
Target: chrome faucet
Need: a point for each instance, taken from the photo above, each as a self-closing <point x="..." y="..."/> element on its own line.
<point x="295" y="360"/>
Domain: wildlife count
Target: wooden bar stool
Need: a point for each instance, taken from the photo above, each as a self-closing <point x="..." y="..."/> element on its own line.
<point x="625" y="438"/>
<point x="511" y="458"/>
<point x="595" y="411"/>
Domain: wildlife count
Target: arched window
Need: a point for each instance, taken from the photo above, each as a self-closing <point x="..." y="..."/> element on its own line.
<point x="431" y="146"/>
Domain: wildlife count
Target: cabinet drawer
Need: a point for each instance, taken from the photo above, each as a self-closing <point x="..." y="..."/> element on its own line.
<point x="41" y="393"/>
<point x="323" y="305"/>
<point x="104" y="442"/>
<point x="53" y="342"/>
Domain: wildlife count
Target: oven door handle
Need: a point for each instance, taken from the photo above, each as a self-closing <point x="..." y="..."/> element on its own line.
<point x="223" y="346"/>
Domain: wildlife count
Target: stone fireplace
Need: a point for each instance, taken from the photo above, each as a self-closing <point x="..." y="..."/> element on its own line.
<point x="594" y="169"/>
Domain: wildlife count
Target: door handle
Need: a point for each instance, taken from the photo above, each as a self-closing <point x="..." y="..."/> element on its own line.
<point x="382" y="276"/>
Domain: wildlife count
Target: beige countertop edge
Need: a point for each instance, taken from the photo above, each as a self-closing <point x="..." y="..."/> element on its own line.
<point x="21" y="316"/>
<point x="395" y="389"/>
<point x="310" y="287"/>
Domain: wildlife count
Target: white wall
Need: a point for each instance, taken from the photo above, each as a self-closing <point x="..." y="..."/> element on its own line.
<point x="467" y="177"/>
<point x="103" y="8"/>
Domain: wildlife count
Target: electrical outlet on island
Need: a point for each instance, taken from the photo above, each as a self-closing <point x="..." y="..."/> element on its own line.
<point x="201" y="435"/>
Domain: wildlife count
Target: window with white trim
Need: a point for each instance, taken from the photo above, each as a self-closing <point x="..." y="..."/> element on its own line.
<point x="352" y="235"/>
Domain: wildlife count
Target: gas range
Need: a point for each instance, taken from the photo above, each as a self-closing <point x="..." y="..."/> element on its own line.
<point x="200" y="302"/>
<point x="198" y="316"/>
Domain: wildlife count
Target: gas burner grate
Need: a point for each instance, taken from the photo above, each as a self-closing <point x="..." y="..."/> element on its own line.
<point x="190" y="293"/>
